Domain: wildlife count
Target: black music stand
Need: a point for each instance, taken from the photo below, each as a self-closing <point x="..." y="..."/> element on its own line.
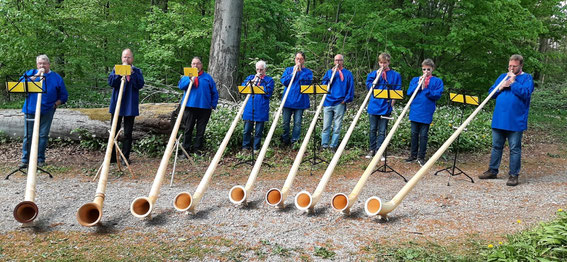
<point x="25" y="85"/>
<point x="388" y="94"/>
<point x="252" y="89"/>
<point x="464" y="100"/>
<point x="315" y="89"/>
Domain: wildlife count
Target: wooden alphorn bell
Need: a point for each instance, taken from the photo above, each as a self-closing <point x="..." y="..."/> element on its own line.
<point x="90" y="214"/>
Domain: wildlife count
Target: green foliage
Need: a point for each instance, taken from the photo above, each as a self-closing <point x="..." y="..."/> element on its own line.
<point x="547" y="242"/>
<point x="412" y="251"/>
<point x="324" y="253"/>
<point x="88" y="140"/>
<point x="152" y="145"/>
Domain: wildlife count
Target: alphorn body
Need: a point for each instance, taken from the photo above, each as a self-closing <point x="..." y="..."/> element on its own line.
<point x="239" y="194"/>
<point x="184" y="201"/>
<point x="90" y="214"/>
<point x="304" y="200"/>
<point x="374" y="206"/>
<point x="340" y="201"/>
<point x="276" y="197"/>
<point x="26" y="211"/>
<point x="141" y="207"/>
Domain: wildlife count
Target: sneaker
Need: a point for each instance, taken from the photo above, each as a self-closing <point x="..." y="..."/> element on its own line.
<point x="382" y="159"/>
<point x="23" y="165"/>
<point x="411" y="159"/>
<point x="512" y="181"/>
<point x="421" y="161"/>
<point x="333" y="149"/>
<point x="256" y="151"/>
<point x="488" y="174"/>
<point x="370" y="154"/>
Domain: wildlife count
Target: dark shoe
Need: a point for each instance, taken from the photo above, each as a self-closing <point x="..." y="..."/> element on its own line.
<point x="421" y="161"/>
<point x="411" y="159"/>
<point x="181" y="156"/>
<point x="488" y="174"/>
<point x="512" y="181"/>
<point x="23" y="165"/>
<point x="41" y="164"/>
<point x="370" y="154"/>
<point x="124" y="162"/>
<point x="333" y="149"/>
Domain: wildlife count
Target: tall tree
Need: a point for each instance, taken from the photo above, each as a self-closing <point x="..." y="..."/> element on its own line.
<point x="225" y="46"/>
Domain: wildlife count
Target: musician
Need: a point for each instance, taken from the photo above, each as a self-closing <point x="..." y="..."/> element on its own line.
<point x="203" y="98"/>
<point x="257" y="110"/>
<point x="510" y="118"/>
<point x="378" y="108"/>
<point x="55" y="94"/>
<point x="296" y="102"/>
<point x="422" y="109"/>
<point x="129" y="107"/>
<point x="341" y="92"/>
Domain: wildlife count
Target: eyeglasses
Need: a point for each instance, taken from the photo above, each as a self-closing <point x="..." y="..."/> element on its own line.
<point x="426" y="69"/>
<point x="338" y="60"/>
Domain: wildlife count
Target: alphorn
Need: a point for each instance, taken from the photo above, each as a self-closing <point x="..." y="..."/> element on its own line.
<point x="276" y="197"/>
<point x="184" y="201"/>
<point x="340" y="201"/>
<point x="239" y="194"/>
<point x="90" y="214"/>
<point x="374" y="206"/>
<point x="26" y="211"/>
<point x="141" y="207"/>
<point x="304" y="200"/>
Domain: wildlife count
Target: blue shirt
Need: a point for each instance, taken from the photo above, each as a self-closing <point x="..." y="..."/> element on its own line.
<point x="423" y="105"/>
<point x="340" y="90"/>
<point x="54" y="88"/>
<point x="259" y="103"/>
<point x="203" y="96"/>
<point x="295" y="99"/>
<point x="513" y="103"/>
<point x="130" y="95"/>
<point x="380" y="106"/>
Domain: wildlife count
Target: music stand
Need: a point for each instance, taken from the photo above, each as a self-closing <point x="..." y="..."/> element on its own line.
<point x="464" y="100"/>
<point x="315" y="89"/>
<point x="25" y="85"/>
<point x="388" y="94"/>
<point x="251" y="89"/>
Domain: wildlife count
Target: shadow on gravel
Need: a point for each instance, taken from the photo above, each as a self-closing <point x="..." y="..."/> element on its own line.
<point x="252" y="205"/>
<point x="160" y="219"/>
<point x="201" y="214"/>
<point x="318" y="212"/>
<point x="286" y="209"/>
<point x="108" y="227"/>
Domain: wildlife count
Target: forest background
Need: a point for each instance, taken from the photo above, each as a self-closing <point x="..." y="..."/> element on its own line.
<point x="470" y="41"/>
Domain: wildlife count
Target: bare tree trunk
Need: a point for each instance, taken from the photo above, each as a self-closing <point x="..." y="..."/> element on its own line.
<point x="225" y="46"/>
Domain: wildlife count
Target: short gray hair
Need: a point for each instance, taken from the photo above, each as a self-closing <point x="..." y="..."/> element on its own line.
<point x="428" y="62"/>
<point x="42" y="57"/>
<point x="262" y="64"/>
<point x="518" y="58"/>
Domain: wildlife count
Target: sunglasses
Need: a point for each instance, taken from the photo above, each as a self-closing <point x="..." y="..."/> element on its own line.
<point x="426" y="69"/>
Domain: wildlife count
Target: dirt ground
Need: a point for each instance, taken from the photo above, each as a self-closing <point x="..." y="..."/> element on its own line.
<point x="485" y="210"/>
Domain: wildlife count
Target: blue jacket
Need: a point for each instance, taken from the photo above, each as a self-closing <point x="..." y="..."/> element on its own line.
<point x="513" y="104"/>
<point x="295" y="99"/>
<point x="423" y="105"/>
<point x="340" y="91"/>
<point x="260" y="103"/>
<point x="380" y="106"/>
<point x="130" y="95"/>
<point x="205" y="95"/>
<point x="55" y="91"/>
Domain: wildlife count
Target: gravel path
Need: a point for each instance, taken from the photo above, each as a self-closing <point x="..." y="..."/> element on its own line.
<point x="432" y="211"/>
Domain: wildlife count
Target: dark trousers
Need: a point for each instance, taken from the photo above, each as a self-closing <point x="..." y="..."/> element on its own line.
<point x="127" y="137"/>
<point x="200" y="117"/>
<point x="419" y="136"/>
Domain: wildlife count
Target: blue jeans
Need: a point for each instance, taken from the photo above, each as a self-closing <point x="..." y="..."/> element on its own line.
<point x="377" y="125"/>
<point x="419" y="137"/>
<point x="333" y="115"/>
<point x="246" y="136"/>
<point x="499" y="137"/>
<point x="44" y="127"/>
<point x="297" y="117"/>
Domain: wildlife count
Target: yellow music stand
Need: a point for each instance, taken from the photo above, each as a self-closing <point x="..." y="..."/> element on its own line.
<point x="453" y="170"/>
<point x="24" y="84"/>
<point x="190" y="71"/>
<point x="389" y="94"/>
<point x="314" y="89"/>
<point x="465" y="99"/>
<point x="123" y="70"/>
<point x="252" y="90"/>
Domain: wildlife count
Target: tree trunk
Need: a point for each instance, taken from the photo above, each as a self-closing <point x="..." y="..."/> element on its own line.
<point x="225" y="46"/>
